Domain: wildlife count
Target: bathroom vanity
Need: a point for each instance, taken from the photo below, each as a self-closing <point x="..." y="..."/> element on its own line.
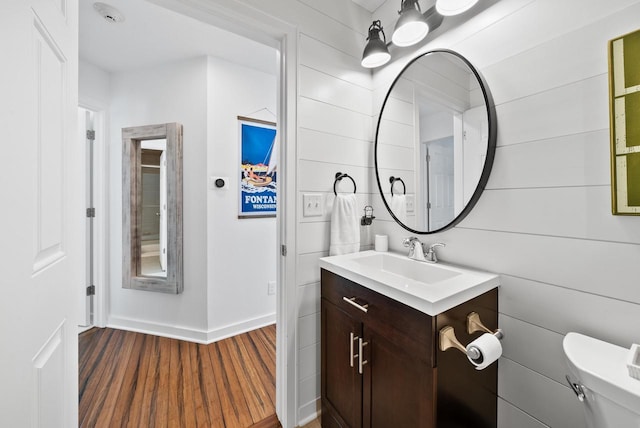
<point x="382" y="313"/>
<point x="381" y="362"/>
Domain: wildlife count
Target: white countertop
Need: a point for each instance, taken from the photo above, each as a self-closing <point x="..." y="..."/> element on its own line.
<point x="428" y="287"/>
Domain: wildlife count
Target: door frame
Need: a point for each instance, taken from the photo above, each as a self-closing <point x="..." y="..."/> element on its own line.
<point x="261" y="27"/>
<point x="101" y="205"/>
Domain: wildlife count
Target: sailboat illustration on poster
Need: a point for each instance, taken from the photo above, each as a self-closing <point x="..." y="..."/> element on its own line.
<point x="258" y="165"/>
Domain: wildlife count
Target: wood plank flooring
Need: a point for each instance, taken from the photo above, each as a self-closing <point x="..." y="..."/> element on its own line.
<point x="137" y="380"/>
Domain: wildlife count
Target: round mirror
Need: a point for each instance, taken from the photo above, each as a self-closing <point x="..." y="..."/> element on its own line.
<point x="435" y="142"/>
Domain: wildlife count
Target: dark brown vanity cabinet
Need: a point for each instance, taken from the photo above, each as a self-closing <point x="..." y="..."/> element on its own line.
<point x="379" y="365"/>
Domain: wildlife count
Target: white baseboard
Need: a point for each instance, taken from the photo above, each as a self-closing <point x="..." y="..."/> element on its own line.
<point x="189" y="334"/>
<point x="158" y="329"/>
<point x="239" y="328"/>
<point x="308" y="412"/>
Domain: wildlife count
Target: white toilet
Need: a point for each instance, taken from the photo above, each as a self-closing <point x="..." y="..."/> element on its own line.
<point x="598" y="375"/>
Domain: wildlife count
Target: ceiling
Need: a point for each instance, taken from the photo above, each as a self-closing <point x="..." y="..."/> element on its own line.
<point x="370" y="5"/>
<point x="152" y="35"/>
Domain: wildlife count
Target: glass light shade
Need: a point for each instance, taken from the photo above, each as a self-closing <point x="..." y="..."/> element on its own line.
<point x="454" y="7"/>
<point x="410" y="28"/>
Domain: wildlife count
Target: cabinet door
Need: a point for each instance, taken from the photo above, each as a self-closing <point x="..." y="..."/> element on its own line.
<point x="341" y="382"/>
<point x="398" y="383"/>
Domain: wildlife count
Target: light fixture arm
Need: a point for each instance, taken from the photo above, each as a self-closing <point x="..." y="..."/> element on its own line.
<point x="374" y="29"/>
<point x="408" y="4"/>
<point x="433" y="18"/>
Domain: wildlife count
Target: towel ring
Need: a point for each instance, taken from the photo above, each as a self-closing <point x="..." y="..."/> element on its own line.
<point x="340" y="176"/>
<point x="393" y="179"/>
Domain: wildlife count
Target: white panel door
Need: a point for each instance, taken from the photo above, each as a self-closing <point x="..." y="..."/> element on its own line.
<point x="42" y="225"/>
<point x="440" y="168"/>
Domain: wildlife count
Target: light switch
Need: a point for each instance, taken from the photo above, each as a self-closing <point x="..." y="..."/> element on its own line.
<point x="312" y="205"/>
<point x="410" y="203"/>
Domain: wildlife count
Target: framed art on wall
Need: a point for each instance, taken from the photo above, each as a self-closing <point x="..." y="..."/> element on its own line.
<point x="624" y="108"/>
<point x="258" y="172"/>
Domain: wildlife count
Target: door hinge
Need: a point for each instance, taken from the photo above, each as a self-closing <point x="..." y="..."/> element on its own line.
<point x="91" y="212"/>
<point x="429" y="205"/>
<point x="283" y="250"/>
<point x="91" y="135"/>
<point x="91" y="290"/>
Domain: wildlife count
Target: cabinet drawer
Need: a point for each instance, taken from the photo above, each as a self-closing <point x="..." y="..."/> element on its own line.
<point x="401" y="324"/>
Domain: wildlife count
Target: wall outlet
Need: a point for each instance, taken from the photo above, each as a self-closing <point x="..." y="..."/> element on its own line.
<point x="312" y="205"/>
<point x="271" y="288"/>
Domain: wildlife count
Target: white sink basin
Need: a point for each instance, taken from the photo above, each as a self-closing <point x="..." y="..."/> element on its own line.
<point x="406" y="268"/>
<point x="427" y="287"/>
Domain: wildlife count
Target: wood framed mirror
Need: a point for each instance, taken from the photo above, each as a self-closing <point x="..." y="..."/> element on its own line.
<point x="152" y="208"/>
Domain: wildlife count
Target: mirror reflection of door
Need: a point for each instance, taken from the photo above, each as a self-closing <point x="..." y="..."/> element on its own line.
<point x="153" y="242"/>
<point x="440" y="138"/>
<point x="440" y="184"/>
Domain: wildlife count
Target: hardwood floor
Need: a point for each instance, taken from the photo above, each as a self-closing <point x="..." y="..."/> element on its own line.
<point x="313" y="424"/>
<point x="136" y="380"/>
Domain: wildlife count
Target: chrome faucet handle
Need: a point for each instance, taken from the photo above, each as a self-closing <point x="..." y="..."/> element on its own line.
<point x="431" y="252"/>
<point x="416" y="248"/>
<point x="410" y="241"/>
<point x="437" y="244"/>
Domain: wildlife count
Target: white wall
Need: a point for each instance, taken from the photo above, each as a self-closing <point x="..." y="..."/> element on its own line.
<point x="93" y="85"/>
<point x="544" y="221"/>
<point x="169" y="93"/>
<point x="241" y="257"/>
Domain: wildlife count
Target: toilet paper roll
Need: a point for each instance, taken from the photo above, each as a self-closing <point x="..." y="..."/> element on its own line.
<point x="484" y="350"/>
<point x="382" y="243"/>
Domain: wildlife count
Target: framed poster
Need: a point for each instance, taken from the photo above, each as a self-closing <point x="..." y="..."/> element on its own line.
<point x="624" y="108"/>
<point x="258" y="173"/>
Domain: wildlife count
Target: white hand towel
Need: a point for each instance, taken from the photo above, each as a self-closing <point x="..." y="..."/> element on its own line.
<point x="345" y="229"/>
<point x="399" y="207"/>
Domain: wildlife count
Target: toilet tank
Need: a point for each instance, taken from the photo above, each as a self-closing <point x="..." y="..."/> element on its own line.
<point x="598" y="370"/>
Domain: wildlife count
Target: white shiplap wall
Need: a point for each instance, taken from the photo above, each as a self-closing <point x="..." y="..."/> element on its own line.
<point x="544" y="221"/>
<point x="334" y="134"/>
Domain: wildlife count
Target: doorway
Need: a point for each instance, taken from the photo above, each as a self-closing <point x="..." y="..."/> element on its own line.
<point x="91" y="130"/>
<point x="285" y="284"/>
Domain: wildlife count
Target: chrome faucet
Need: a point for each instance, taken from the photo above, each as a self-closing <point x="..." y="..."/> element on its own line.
<point x="431" y="255"/>
<point x="417" y="252"/>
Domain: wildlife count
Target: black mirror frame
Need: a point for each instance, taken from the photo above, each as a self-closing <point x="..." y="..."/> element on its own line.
<point x="491" y="144"/>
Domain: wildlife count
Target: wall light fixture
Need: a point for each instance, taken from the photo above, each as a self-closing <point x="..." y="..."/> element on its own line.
<point x="412" y="26"/>
<point x="375" y="52"/>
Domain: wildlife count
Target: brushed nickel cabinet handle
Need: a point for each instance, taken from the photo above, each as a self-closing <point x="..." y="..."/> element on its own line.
<point x="361" y="361"/>
<point x="352" y="338"/>
<point x="352" y="301"/>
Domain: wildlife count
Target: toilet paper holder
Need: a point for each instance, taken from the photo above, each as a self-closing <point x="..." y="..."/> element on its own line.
<point x="449" y="340"/>
<point x="474" y="324"/>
